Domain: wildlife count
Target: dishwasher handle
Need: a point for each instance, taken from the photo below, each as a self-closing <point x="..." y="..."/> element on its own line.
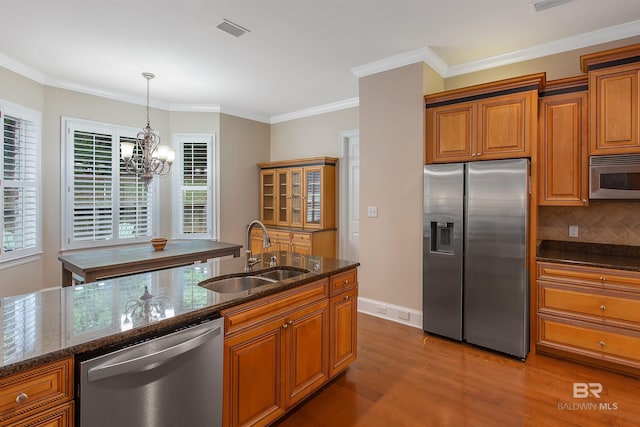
<point x="152" y="360"/>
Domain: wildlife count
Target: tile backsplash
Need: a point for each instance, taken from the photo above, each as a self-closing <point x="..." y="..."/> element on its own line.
<point x="609" y="222"/>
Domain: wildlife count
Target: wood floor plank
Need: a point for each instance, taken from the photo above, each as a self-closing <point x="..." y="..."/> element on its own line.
<point x="404" y="377"/>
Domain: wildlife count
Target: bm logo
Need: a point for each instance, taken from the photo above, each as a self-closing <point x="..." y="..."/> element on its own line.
<point x="584" y="390"/>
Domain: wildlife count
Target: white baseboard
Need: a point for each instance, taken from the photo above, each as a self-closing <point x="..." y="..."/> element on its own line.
<point x="395" y="313"/>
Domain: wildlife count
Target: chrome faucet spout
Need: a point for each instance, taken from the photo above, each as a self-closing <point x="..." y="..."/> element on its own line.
<point x="266" y="243"/>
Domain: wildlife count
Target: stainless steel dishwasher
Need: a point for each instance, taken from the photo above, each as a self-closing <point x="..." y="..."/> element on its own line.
<point x="173" y="380"/>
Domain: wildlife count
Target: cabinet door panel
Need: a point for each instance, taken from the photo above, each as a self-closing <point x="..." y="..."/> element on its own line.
<point x="307" y="367"/>
<point x="252" y="376"/>
<point x="505" y="126"/>
<point x="451" y="132"/>
<point x="615" y="114"/>
<point x="343" y="335"/>
<point x="284" y="198"/>
<point x="563" y="149"/>
<point x="268" y="199"/>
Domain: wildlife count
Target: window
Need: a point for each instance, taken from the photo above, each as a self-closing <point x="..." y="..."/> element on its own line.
<point x="19" y="182"/>
<point x="104" y="204"/>
<point x="194" y="169"/>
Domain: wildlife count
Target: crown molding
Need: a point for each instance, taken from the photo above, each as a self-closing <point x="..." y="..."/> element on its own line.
<point x="22" y="69"/>
<point x="617" y="32"/>
<point x="425" y="54"/>
<point x="195" y="108"/>
<point x="320" y="109"/>
<point x="245" y="115"/>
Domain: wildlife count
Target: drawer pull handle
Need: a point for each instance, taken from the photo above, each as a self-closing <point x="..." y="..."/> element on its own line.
<point x="602" y="344"/>
<point x="21" y="398"/>
<point x="603" y="307"/>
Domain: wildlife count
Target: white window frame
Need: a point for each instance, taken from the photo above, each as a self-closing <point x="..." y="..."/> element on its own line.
<point x="116" y="131"/>
<point x="213" y="185"/>
<point x="20" y="256"/>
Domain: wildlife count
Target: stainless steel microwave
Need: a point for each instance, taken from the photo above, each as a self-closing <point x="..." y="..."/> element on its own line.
<point x="614" y="177"/>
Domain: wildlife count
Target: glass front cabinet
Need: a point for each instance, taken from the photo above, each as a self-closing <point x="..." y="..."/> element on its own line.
<point x="299" y="195"/>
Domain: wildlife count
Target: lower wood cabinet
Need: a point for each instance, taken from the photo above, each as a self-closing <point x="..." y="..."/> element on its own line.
<point x="320" y="242"/>
<point x="589" y="314"/>
<point x="40" y="396"/>
<point x="281" y="348"/>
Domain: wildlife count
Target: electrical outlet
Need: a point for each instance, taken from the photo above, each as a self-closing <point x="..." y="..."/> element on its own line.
<point x="381" y="310"/>
<point x="372" y="212"/>
<point x="573" y="231"/>
<point x="403" y="315"/>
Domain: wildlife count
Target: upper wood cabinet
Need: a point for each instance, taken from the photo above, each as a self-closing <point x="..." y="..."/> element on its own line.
<point x="614" y="102"/>
<point x="563" y="133"/>
<point x="299" y="194"/>
<point x="496" y="120"/>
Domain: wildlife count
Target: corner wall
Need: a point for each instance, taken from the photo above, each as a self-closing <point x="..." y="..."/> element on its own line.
<point x="391" y="165"/>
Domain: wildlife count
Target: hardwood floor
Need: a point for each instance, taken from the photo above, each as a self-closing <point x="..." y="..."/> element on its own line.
<point x="404" y="377"/>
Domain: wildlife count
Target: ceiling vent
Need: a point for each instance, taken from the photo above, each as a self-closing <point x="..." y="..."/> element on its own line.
<point x="539" y="6"/>
<point x="231" y="28"/>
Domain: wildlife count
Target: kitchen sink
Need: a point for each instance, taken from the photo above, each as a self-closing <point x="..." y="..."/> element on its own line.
<point x="232" y="285"/>
<point x="237" y="284"/>
<point x="281" y="273"/>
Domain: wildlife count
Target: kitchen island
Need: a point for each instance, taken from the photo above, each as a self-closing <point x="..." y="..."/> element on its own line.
<point x="45" y="331"/>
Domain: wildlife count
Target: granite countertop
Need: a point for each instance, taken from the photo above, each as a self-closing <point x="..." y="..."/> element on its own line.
<point x="618" y="257"/>
<point x="57" y="322"/>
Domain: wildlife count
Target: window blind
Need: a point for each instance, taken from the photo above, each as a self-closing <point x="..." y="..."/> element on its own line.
<point x="19" y="186"/>
<point x="194" y="189"/>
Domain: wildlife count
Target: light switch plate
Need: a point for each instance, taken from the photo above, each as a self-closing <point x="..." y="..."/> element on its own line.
<point x="573" y="231"/>
<point x="372" y="212"/>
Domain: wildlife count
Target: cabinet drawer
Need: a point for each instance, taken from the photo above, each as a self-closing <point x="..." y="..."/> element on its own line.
<point x="583" y="338"/>
<point x="247" y="315"/>
<point x="343" y="281"/>
<point x="60" y="416"/>
<point x="604" y="306"/>
<point x="301" y="238"/>
<point x="44" y="387"/>
<point x="599" y="277"/>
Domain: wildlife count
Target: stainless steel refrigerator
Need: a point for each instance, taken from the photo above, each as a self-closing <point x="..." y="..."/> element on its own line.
<point x="475" y="275"/>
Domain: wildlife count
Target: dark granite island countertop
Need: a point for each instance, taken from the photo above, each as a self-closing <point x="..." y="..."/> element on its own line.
<point x="619" y="257"/>
<point x="57" y="322"/>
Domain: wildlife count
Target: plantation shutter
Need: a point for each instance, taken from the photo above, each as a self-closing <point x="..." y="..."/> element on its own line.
<point x="194" y="190"/>
<point x="136" y="202"/>
<point x="93" y="207"/>
<point x="19" y="186"/>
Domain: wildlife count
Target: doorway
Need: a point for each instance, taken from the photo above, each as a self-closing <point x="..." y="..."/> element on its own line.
<point x="349" y="223"/>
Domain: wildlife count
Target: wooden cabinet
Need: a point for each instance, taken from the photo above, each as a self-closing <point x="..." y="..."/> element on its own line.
<point x="321" y="242"/>
<point x="484" y="122"/>
<point x="563" y="133"/>
<point x="343" y="308"/>
<point x="304" y="196"/>
<point x="281" y="348"/>
<point x="589" y="314"/>
<point x="614" y="103"/>
<point x="41" y="396"/>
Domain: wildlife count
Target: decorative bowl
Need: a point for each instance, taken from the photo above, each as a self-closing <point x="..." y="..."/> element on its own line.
<point x="159" y="243"/>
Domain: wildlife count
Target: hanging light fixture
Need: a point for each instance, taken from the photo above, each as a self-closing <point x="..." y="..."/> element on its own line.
<point x="150" y="158"/>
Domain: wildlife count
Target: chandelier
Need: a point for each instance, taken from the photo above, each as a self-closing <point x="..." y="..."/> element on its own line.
<point x="146" y="157"/>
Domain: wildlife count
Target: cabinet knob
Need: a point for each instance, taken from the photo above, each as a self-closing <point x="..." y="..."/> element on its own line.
<point x="602" y="344"/>
<point x="478" y="154"/>
<point x="473" y="154"/>
<point x="603" y="307"/>
<point x="21" y="398"/>
<point x="584" y="201"/>
<point x="602" y="278"/>
<point x="346" y="282"/>
<point x="346" y="298"/>
<point x="290" y="322"/>
<point x="285" y="326"/>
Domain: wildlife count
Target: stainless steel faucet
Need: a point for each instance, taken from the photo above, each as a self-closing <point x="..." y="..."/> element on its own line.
<point x="248" y="260"/>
